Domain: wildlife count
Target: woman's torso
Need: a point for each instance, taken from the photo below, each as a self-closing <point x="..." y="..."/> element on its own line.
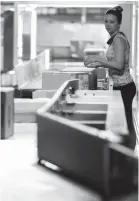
<point x="125" y="77"/>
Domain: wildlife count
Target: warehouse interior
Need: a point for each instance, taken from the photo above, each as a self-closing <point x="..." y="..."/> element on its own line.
<point x="43" y="148"/>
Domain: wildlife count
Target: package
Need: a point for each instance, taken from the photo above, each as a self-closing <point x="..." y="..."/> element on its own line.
<point x="52" y="80"/>
<point x="101" y="78"/>
<point x="25" y="109"/>
<point x="43" y="93"/>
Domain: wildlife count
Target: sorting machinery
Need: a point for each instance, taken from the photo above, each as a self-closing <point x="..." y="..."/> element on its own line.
<point x="84" y="133"/>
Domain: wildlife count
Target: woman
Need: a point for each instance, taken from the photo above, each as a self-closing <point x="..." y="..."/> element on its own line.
<point x="118" y="64"/>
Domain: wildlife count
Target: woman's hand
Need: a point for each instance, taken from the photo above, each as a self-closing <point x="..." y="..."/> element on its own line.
<point x="93" y="65"/>
<point x="92" y="61"/>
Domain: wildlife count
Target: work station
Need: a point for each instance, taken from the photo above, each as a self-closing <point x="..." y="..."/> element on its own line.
<point x="66" y="130"/>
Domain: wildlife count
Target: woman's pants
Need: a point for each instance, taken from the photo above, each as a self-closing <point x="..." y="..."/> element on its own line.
<point x="128" y="92"/>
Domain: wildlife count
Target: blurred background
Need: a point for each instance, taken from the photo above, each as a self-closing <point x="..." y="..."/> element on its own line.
<point x="65" y="29"/>
<point x="62" y="30"/>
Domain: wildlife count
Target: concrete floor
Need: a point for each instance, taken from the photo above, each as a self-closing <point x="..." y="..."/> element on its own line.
<point x="21" y="179"/>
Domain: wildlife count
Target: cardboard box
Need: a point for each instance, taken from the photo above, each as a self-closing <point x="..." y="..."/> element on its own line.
<point x="29" y="105"/>
<point x="25" y="109"/>
<point x="52" y="80"/>
<point x="43" y="93"/>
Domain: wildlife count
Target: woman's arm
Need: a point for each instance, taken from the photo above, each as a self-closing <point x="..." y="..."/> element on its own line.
<point x="118" y="62"/>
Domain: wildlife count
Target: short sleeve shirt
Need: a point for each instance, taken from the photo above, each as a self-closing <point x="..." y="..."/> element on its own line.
<point x="125" y="78"/>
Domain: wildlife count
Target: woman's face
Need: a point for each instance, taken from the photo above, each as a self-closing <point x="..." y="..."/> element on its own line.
<point x="111" y="23"/>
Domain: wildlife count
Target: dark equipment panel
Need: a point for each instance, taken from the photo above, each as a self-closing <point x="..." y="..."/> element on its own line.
<point x="8" y="40"/>
<point x="93" y="161"/>
<point x="7" y="112"/>
<point x="75" y="152"/>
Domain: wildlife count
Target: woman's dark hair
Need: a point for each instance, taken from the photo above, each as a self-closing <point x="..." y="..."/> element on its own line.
<point x="117" y="11"/>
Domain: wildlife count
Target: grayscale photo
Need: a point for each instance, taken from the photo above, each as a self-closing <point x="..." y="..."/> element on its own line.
<point x="69" y="87"/>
